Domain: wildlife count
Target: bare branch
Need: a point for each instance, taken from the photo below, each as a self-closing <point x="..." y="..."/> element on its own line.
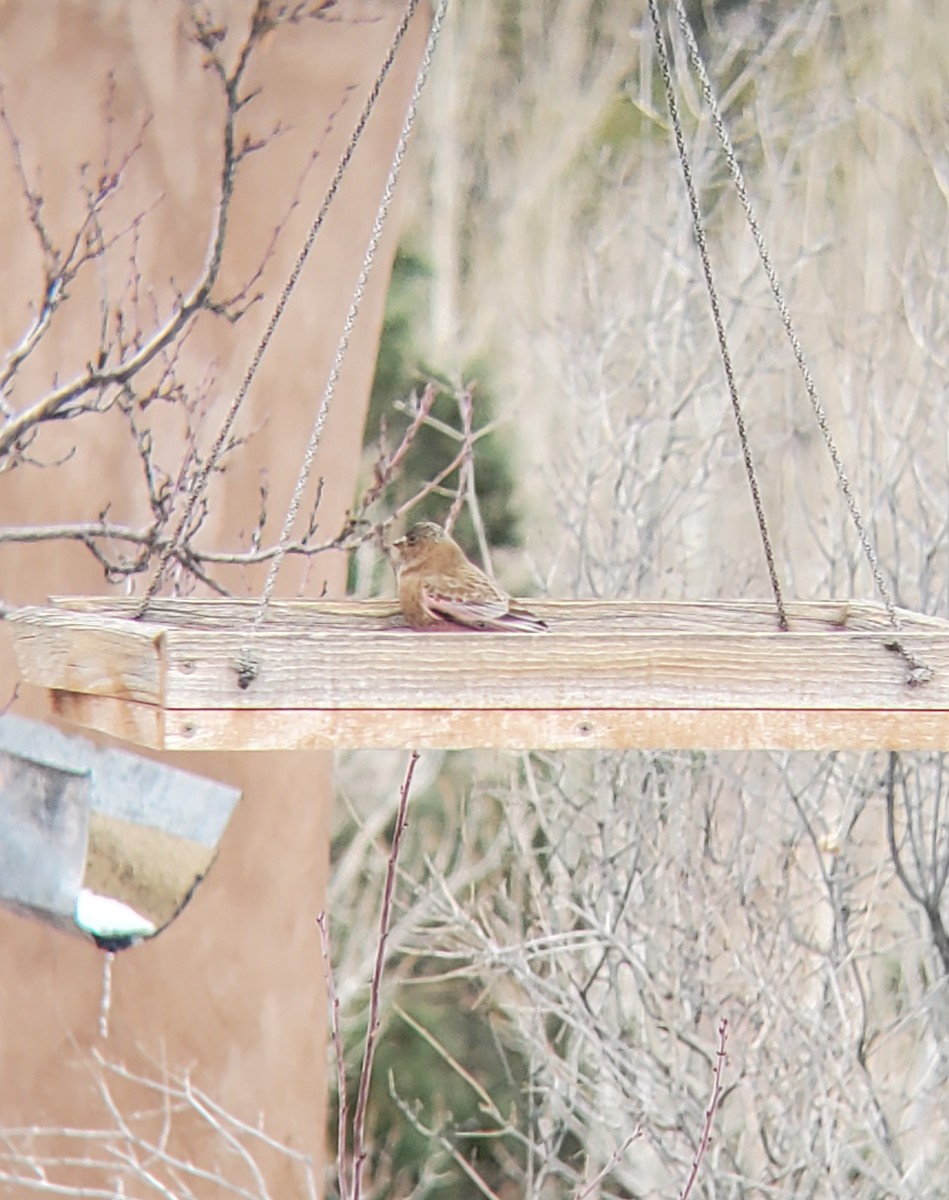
<point x="375" y="986"/>
<point x="135" y="1152"/>
<point x="710" y="1111"/>
<point x="99" y="378"/>
<point x="342" y="1120"/>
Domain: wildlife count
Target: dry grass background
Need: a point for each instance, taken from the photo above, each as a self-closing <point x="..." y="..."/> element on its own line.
<point x="600" y="913"/>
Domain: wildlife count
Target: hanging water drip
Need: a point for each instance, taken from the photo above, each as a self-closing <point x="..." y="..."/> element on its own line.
<point x="97" y="842"/>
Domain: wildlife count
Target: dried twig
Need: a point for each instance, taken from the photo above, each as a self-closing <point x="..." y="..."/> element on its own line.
<point x="710" y="1111"/>
<point x="342" y="1120"/>
<point x="385" y="468"/>
<point x="615" y="1158"/>
<point x="136" y="1153"/>
<point x="375" y="987"/>
<point x="130" y="358"/>
<point x="466" y="472"/>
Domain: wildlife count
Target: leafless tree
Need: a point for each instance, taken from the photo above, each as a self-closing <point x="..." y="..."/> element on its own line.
<point x="136" y="363"/>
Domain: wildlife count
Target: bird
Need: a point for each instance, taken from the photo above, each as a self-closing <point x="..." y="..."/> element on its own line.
<point x="439" y="586"/>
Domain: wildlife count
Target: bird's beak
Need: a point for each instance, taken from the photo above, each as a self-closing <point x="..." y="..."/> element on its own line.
<point x="399" y="544"/>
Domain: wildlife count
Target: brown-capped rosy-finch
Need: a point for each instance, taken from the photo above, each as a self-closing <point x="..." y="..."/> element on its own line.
<point x="439" y="586"/>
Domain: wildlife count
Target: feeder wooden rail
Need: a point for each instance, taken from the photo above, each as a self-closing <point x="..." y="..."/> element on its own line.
<point x="195" y="675"/>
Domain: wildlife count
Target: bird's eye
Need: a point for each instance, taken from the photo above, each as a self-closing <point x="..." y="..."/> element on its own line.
<point x="411" y="538"/>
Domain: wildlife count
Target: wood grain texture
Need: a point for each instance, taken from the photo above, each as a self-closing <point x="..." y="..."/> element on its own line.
<point x="349" y="673"/>
<point x="206" y="613"/>
<point x="99" y="655"/>
<point x="521" y="729"/>
<point x="130" y="720"/>
<point x="651" y="669"/>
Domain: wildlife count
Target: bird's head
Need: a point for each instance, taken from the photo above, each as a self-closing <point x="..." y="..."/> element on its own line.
<point x="419" y="540"/>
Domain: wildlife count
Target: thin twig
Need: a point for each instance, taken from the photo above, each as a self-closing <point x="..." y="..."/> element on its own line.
<point x="710" y="1111"/>
<point x="466" y="472"/>
<point x="385" y="469"/>
<point x="98" y="378"/>
<point x="342" y="1119"/>
<point x="610" y="1163"/>
<point x="375" y="987"/>
<point x="429" y="487"/>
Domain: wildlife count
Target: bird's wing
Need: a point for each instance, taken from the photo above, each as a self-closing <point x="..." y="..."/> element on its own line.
<point x="476" y="607"/>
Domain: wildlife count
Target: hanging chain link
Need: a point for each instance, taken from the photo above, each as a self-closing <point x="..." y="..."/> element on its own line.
<point x="699" y="233"/>
<point x="200" y="483"/>
<point x="919" y="672"/>
<point x="371" y="249"/>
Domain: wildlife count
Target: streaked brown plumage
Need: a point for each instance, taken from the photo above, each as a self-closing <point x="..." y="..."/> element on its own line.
<point x="439" y="586"/>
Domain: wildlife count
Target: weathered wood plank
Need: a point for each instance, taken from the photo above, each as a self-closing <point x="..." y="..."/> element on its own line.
<point x="638" y="670"/>
<point x="709" y="729"/>
<point x="130" y="720"/>
<point x="620" y="655"/>
<point x="748" y="616"/>
<point x="209" y="613"/>
<point x="94" y="654"/>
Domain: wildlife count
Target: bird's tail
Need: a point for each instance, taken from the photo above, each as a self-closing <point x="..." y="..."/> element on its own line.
<point x="519" y="620"/>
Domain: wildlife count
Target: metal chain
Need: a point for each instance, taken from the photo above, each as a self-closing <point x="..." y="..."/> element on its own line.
<point x="343" y="346"/>
<point x="919" y="672"/>
<point x="201" y="481"/>
<point x="699" y="232"/>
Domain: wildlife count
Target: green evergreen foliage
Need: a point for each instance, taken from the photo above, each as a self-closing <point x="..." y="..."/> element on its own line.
<point x="399" y="372"/>
<point x="412" y="1070"/>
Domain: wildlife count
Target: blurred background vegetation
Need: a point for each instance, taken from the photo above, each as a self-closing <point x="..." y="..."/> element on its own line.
<point x="572" y="927"/>
<point x="401" y="370"/>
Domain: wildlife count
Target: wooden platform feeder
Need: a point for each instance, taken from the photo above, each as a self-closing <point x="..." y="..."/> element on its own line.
<point x="194" y="675"/>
